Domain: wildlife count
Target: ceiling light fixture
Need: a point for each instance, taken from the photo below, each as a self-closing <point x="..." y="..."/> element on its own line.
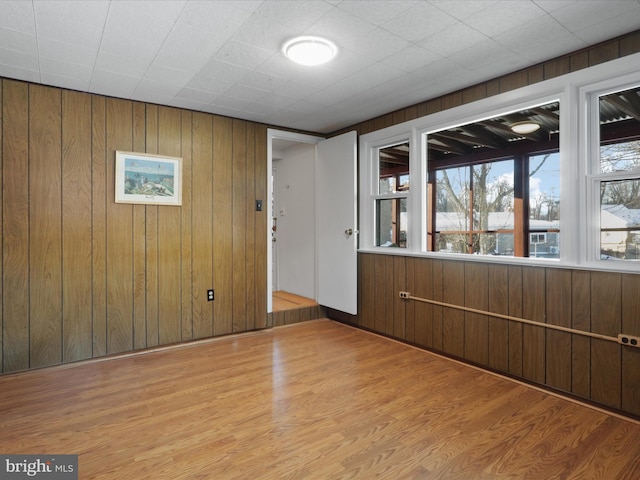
<point x="309" y="51"/>
<point x="525" y="127"/>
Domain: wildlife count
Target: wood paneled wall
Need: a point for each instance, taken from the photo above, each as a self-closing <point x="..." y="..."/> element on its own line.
<point x="605" y="303"/>
<point x="84" y="277"/>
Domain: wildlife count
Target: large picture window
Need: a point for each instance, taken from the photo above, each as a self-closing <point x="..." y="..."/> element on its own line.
<point x="491" y="186"/>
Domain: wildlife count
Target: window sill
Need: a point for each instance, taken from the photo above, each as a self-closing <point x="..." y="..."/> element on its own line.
<point x="604" y="266"/>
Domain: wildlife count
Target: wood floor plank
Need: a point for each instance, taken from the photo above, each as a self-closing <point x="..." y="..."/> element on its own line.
<point x="316" y="400"/>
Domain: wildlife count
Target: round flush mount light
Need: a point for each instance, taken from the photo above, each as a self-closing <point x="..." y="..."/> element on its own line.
<point x="309" y="51"/>
<point x="524" y="128"/>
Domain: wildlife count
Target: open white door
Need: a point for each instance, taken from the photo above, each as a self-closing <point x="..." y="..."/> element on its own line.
<point x="336" y="227"/>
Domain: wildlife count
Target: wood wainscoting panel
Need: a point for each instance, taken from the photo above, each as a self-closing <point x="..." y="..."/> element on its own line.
<point x="631" y="356"/>
<point x="455" y="319"/>
<point x="476" y="327"/>
<point x="498" y="327"/>
<point x="606" y="357"/>
<point x="558" y="344"/>
<point x="315" y="400"/>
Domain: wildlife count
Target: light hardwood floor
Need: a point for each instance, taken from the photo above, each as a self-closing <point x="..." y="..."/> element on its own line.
<point x="314" y="400"/>
<point x="289" y="301"/>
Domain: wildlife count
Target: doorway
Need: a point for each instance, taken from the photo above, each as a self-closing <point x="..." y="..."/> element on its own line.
<point x="315" y="218"/>
<point x="292" y="231"/>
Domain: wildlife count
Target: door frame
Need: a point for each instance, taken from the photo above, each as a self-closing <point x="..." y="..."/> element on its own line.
<point x="273" y="134"/>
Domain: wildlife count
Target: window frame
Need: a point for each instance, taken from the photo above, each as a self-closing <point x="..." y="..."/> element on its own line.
<point x="580" y="218"/>
<point x="590" y="100"/>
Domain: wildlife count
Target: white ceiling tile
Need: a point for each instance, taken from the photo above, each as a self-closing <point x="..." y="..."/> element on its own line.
<point x="552" y="5"/>
<point x="126" y="45"/>
<point x="483" y="53"/>
<point x="124" y="65"/>
<point x="420" y="21"/>
<point x="335" y="93"/>
<point x="223" y="71"/>
<point x="18" y="41"/>
<point x="66" y="52"/>
<point x="462" y="9"/>
<point x="245" y="93"/>
<point x="454" y="39"/>
<point x="377" y="12"/>
<point x="299" y="14"/>
<point x="113" y="84"/>
<point x="201" y="45"/>
<point x="189" y="104"/>
<point x="541" y="51"/>
<point x="262" y="81"/>
<point x="64" y="69"/>
<point x="295" y="90"/>
<point x="68" y="32"/>
<point x="410" y="59"/>
<point x="150" y="91"/>
<point x="198" y="96"/>
<point x="304" y="106"/>
<point x="380" y="44"/>
<point x="168" y="76"/>
<point x="16" y="59"/>
<point x="347" y="62"/>
<point x="342" y="28"/>
<point x="579" y="16"/>
<point x="223" y="17"/>
<point x="502" y="16"/>
<point x="281" y="67"/>
<point x="544" y="29"/>
<point x="441" y="69"/>
<point x="210" y="85"/>
<point x="92" y="13"/>
<point x="65" y="81"/>
<point x="231" y="102"/>
<point x="245" y="55"/>
<point x="599" y="31"/>
<point x="261" y="33"/>
<point x="18" y="73"/>
<point x="17" y="15"/>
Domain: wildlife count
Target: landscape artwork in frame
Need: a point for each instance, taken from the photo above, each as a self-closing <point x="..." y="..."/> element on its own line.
<point x="148" y="179"/>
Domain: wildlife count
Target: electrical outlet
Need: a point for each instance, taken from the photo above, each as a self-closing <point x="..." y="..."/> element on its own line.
<point x="210" y="295"/>
<point x="405" y="295"/>
<point x="629" y="340"/>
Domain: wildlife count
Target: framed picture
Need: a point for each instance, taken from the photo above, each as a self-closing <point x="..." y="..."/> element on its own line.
<point x="148" y="179"/>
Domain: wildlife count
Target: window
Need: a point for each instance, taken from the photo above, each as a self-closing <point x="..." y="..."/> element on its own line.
<point x="391" y="201"/>
<point x="619" y="175"/>
<point x="546" y="173"/>
<point x="491" y="185"/>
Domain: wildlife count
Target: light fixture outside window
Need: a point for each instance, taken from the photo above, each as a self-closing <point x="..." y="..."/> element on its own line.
<point x="526" y="127"/>
<point x="309" y="51"/>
